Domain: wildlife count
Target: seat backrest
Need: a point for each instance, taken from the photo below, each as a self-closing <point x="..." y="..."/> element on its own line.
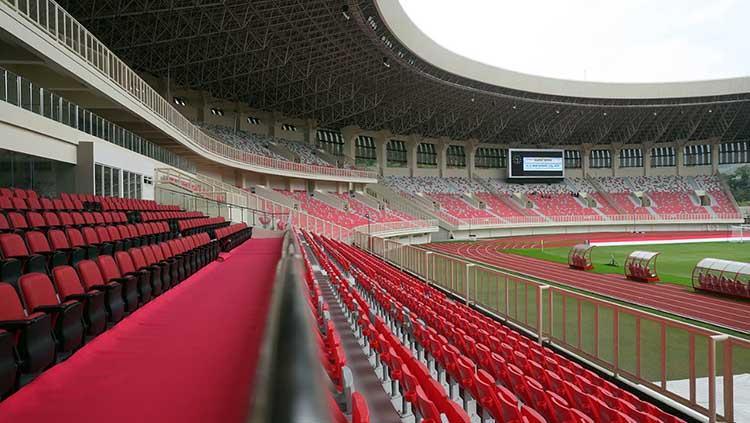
<point x="427" y="408"/>
<point x="35" y="219"/>
<point x="57" y="239"/>
<point x="37" y="242"/>
<point x="157" y="252"/>
<point x="531" y="415"/>
<point x="19" y="193"/>
<point x="4" y="224"/>
<point x="102" y="233"/>
<point x="124" y="232"/>
<point x="88" y="217"/>
<point x="148" y="254"/>
<point x="74" y="237"/>
<point x="19" y="203"/>
<point x="46" y="204"/>
<point x="10" y="304"/>
<point x="77" y="218"/>
<point x="124" y="262"/>
<point x="114" y="233"/>
<point x="139" y="260"/>
<point x="90" y="273"/>
<point x="166" y="249"/>
<point x="65" y="218"/>
<point x="37" y="290"/>
<point x="58" y="204"/>
<point x="12" y="245"/>
<point x="98" y="218"/>
<point x="89" y="234"/>
<point x="51" y="218"/>
<point x="17" y="220"/>
<point x="360" y="412"/>
<point x="66" y="281"/>
<point x="34" y="203"/>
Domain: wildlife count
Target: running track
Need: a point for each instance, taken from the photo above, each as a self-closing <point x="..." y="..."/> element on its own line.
<point x="670" y="298"/>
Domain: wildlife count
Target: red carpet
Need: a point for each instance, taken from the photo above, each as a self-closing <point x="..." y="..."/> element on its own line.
<point x="188" y="356"/>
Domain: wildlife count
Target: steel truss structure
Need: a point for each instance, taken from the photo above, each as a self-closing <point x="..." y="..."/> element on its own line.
<point x="337" y="62"/>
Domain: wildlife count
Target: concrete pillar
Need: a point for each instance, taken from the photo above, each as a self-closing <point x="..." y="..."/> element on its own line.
<point x="412" y="143"/>
<point x="715" y="143"/>
<point x="274" y="122"/>
<point x="381" y="152"/>
<point x="679" y="151"/>
<point x="442" y="147"/>
<point x="350" y="134"/>
<point x="237" y="116"/>
<point x="615" y="154"/>
<point x="646" y="150"/>
<point x="201" y="106"/>
<point x="585" y="164"/>
<point x="311" y="131"/>
<point x="471" y="152"/>
<point x="84" y="174"/>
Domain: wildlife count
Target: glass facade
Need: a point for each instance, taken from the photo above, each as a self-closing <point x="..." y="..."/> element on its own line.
<point x="46" y="177"/>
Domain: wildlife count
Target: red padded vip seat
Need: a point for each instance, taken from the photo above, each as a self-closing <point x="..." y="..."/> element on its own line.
<point x="155" y="256"/>
<point x="92" y="239"/>
<point x="60" y="243"/>
<point x="8" y="365"/>
<point x="17" y="259"/>
<point x="125" y="268"/>
<point x="39" y="245"/>
<point x="35" y="220"/>
<point x="142" y="264"/>
<point x="69" y="287"/>
<point x="76" y="239"/>
<point x="67" y="318"/>
<point x="17" y="221"/>
<point x="115" y="293"/>
<point x="32" y="333"/>
<point x="51" y="219"/>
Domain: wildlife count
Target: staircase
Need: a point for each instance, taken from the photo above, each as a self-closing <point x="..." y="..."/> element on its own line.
<point x="605" y="195"/>
<point x="504" y="198"/>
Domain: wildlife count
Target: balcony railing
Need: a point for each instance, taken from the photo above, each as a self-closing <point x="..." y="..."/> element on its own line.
<point x="75" y="38"/>
<point x="23" y="93"/>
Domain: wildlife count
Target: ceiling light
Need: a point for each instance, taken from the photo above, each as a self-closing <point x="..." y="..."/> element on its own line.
<point x="345" y="12"/>
<point x="385" y="62"/>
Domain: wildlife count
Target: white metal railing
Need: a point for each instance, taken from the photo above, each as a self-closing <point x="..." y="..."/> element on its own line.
<point x="74" y="37"/>
<point x="693" y="366"/>
<point x="219" y="191"/>
<point x="412" y="226"/>
<point x="625" y="218"/>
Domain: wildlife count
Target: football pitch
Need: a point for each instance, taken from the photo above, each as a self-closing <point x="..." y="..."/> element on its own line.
<point x="674" y="265"/>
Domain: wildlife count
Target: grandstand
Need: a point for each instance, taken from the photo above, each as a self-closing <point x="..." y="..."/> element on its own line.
<point x="231" y="218"/>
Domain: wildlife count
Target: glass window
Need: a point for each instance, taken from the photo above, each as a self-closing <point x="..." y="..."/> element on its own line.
<point x="631" y="157"/>
<point x="426" y="155"/>
<point x="396" y="153"/>
<point x="107" y="184"/>
<point x="456" y="156"/>
<point x="697" y="155"/>
<point x="600" y="159"/>
<point x="490" y="158"/>
<point x="572" y="159"/>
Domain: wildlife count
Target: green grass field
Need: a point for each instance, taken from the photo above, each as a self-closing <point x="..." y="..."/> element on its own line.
<point x="675" y="263"/>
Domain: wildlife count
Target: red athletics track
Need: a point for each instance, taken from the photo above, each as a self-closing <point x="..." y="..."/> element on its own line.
<point x="670" y="298"/>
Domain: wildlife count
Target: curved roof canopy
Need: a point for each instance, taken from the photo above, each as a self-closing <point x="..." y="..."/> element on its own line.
<point x="356" y="63"/>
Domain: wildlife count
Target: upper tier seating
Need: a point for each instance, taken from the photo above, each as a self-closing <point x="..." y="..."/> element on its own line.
<point x="560" y="205"/>
<point x="455" y="206"/>
<point x="242" y="140"/>
<point x="307" y="153"/>
<point x="666" y="203"/>
<point x="319" y="209"/>
<point x="378" y="216"/>
<point x="497" y="206"/>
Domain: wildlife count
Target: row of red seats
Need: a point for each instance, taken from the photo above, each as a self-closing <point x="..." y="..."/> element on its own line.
<point x="404" y="376"/>
<point x="147" y="216"/>
<point x="34" y="220"/>
<point x="331" y="351"/>
<point x="191" y="224"/>
<point x="44" y="319"/>
<point x="456" y="337"/>
<point x="19" y="197"/>
<point x="723" y="285"/>
<point x="233" y="235"/>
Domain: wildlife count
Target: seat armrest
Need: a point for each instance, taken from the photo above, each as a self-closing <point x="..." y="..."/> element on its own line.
<point x="11" y="325"/>
<point x="57" y="308"/>
<point x="80" y="297"/>
<point x="105" y="287"/>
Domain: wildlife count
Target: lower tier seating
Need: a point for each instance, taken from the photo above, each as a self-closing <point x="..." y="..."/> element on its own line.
<point x="491" y="371"/>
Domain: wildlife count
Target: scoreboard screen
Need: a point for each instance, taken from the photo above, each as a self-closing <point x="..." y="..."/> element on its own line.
<point x="543" y="164"/>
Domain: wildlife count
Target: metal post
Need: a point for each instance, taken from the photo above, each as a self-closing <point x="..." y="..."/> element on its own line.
<point x="712" y="375"/>
<point x="427" y="266"/>
<point x="466" y="282"/>
<point x="539" y="312"/>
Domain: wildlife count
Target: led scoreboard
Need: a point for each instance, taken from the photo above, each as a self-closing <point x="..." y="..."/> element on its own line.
<point x="541" y="164"/>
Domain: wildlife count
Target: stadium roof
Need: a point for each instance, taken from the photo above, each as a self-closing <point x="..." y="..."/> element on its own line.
<point x="342" y="63"/>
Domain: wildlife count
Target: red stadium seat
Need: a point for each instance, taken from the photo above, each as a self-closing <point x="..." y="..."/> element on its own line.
<point x="67" y="317"/>
<point x="32" y="333"/>
<point x="69" y="287"/>
<point x="115" y="297"/>
<point x="122" y="267"/>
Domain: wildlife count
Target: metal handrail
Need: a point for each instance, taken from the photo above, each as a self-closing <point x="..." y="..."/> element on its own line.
<point x="289" y="376"/>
